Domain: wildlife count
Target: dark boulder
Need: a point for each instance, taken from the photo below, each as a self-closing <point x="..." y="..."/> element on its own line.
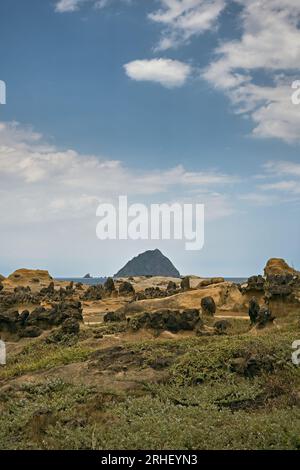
<point x="126" y="288"/>
<point x="185" y="283"/>
<point x="264" y="317"/>
<point x="208" y="305"/>
<point x="221" y="326"/>
<point x="109" y="285"/>
<point x="171" y="320"/>
<point x="8" y="322"/>
<point x="30" y="332"/>
<point x="151" y="293"/>
<point x="94" y="293"/>
<point x="171" y="286"/>
<point x="253" y="310"/>
<point x="70" y="326"/>
<point x="280" y="285"/>
<point x="48" y="290"/>
<point x="114" y="317"/>
<point x="255" y="283"/>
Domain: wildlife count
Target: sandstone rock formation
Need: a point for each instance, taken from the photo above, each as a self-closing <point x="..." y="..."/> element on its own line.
<point x="278" y="266"/>
<point x="28" y="276"/>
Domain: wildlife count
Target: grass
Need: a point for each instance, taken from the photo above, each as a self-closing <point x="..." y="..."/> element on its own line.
<point x="40" y="356"/>
<point x="200" y="401"/>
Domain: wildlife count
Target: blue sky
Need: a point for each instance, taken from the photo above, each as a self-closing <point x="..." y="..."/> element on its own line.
<point x="162" y="100"/>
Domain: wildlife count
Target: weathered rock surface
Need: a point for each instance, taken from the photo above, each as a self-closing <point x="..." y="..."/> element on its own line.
<point x="185" y="283"/>
<point x="114" y="316"/>
<point x="253" y="310"/>
<point x="276" y="266"/>
<point x="226" y="295"/>
<point x="126" y="288"/>
<point x="171" y="320"/>
<point x="27" y="276"/>
<point x="255" y="284"/>
<point x="28" y="324"/>
<point x="210" y="281"/>
<point x="208" y="305"/>
<point x="221" y="326"/>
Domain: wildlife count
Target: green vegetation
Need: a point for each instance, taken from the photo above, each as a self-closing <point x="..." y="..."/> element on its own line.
<point x="236" y="391"/>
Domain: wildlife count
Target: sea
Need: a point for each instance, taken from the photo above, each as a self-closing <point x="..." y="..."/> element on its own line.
<point x="93" y="281"/>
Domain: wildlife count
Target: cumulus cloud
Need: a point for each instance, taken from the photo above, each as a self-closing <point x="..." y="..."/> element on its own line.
<point x="169" y="73"/>
<point x="270" y="42"/>
<point x="183" y="19"/>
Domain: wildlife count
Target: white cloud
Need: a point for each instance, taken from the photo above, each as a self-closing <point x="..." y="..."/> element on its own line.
<point x="281" y="184"/>
<point x="64" y="6"/>
<point x="39" y="182"/>
<point x="290" y="186"/>
<point x="169" y="73"/>
<point x="183" y="19"/>
<point x="270" y="42"/>
<point x="280" y="168"/>
<point x="69" y="6"/>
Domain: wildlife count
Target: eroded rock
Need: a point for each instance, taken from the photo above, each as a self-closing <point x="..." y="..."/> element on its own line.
<point x="208" y="306"/>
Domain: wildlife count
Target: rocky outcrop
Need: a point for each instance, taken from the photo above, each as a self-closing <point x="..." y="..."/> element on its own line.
<point x="149" y="263"/>
<point x="114" y="317"/>
<point x="93" y="293"/>
<point x="260" y="316"/>
<point x="171" y="287"/>
<point x="277" y="266"/>
<point x="226" y="295"/>
<point x="254" y="284"/>
<point x="264" y="317"/>
<point x="126" y="288"/>
<point x="171" y="320"/>
<point x="30" y="324"/>
<point x="279" y="288"/>
<point x="210" y="281"/>
<point x="253" y="310"/>
<point x="27" y="276"/>
<point x="185" y="283"/>
<point x="151" y="293"/>
<point x="221" y="326"/>
<point x="109" y="285"/>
